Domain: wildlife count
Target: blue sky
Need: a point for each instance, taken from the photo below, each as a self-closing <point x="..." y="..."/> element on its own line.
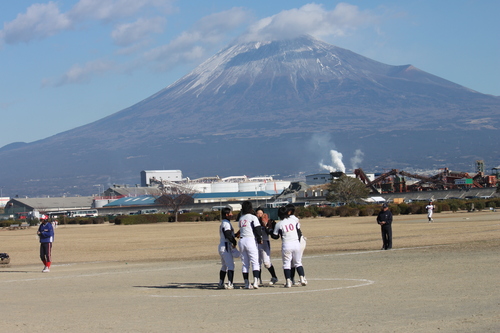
<point x="67" y="63"/>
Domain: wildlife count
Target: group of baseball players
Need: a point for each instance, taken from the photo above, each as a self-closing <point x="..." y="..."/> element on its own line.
<point x="254" y="247"/>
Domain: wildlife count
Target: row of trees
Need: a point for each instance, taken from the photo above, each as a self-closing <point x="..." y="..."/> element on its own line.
<point x="397" y="209"/>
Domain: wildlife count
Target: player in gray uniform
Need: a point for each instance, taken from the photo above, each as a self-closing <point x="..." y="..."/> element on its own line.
<point x="265" y="247"/>
<point x="226" y="246"/>
<point x="289" y="230"/>
<point x="250" y="235"/>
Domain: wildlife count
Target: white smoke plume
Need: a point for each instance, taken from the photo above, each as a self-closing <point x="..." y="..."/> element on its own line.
<point x="357" y="159"/>
<point x="337" y="164"/>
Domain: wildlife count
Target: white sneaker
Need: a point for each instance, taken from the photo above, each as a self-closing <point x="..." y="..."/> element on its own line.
<point x="273" y="281"/>
<point x="255" y="284"/>
<point x="288" y="283"/>
<point x="230" y="286"/>
<point x="45" y="270"/>
<point x="303" y="281"/>
<point x="248" y="285"/>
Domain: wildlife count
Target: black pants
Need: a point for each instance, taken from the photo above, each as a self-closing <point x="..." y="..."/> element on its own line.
<point x="46" y="252"/>
<point x="387" y="236"/>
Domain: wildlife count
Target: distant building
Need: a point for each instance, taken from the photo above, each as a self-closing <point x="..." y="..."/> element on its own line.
<point x="18" y="207"/>
<point x="325" y="178"/>
<point x="201" y="202"/>
<point x="3" y="201"/>
<point x="318" y="179"/>
<point x="231" y="196"/>
<point x="118" y="191"/>
<point x="160" y="175"/>
<point x="129" y="205"/>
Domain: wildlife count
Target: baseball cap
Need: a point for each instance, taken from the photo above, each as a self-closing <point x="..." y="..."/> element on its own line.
<point x="385" y="205"/>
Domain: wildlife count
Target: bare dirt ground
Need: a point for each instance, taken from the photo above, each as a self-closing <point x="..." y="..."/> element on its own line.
<point x="440" y="277"/>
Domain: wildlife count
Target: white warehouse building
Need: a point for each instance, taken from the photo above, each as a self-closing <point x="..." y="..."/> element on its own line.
<point x="151" y="178"/>
<point x="159" y="175"/>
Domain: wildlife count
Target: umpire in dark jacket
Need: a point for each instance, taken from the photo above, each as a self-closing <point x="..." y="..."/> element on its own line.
<point x="384" y="218"/>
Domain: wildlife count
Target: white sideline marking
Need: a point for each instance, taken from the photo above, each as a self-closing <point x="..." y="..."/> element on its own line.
<point x="52" y="277"/>
<point x="282" y="291"/>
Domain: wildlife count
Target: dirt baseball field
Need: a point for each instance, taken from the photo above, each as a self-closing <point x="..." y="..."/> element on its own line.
<point x="439" y="277"/>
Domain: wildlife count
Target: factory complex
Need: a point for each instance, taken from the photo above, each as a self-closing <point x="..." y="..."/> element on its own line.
<point x="212" y="193"/>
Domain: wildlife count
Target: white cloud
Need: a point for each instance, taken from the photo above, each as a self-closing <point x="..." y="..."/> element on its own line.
<point x="129" y="33"/>
<point x="222" y="22"/>
<point x="39" y="21"/>
<point x="83" y="74"/>
<point x="45" y="20"/>
<point x="191" y="45"/>
<point x="310" y="19"/>
<point x="109" y="10"/>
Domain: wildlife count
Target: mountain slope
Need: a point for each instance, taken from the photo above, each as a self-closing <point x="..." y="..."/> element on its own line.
<point x="307" y="78"/>
<point x="266" y="98"/>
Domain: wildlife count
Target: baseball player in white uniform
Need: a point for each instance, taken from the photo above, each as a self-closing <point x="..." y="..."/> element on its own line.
<point x="226" y="246"/>
<point x="289" y="230"/>
<point x="265" y="247"/>
<point x="303" y="243"/>
<point x="250" y="235"/>
<point x="430" y="209"/>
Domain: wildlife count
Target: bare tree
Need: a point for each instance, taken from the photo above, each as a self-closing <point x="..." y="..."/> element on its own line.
<point x="174" y="196"/>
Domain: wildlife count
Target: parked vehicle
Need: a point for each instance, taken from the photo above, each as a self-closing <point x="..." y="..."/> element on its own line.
<point x="83" y="213"/>
<point x="218" y="208"/>
<point x="148" y="211"/>
<point x="277" y="204"/>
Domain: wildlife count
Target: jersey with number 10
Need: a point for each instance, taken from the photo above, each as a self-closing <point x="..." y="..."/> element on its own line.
<point x="287" y="228"/>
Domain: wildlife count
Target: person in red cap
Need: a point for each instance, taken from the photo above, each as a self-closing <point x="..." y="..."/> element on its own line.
<point x="46" y="235"/>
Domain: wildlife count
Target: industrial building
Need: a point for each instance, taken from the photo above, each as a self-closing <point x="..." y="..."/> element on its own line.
<point x="396" y="181"/>
<point x="215" y="191"/>
<point x="326" y="178"/>
<point x="3" y="201"/>
<point x="151" y="176"/>
<point x="22" y="208"/>
<point x="155" y="178"/>
<point x="201" y="202"/>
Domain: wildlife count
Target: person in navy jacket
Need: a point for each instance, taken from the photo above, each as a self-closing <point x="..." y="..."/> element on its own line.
<point x="384" y="219"/>
<point x="46" y="236"/>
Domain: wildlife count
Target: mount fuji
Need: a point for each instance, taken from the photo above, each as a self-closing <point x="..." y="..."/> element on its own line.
<point x="273" y="107"/>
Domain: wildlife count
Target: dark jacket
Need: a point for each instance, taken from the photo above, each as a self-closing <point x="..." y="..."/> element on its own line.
<point x="385" y="216"/>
